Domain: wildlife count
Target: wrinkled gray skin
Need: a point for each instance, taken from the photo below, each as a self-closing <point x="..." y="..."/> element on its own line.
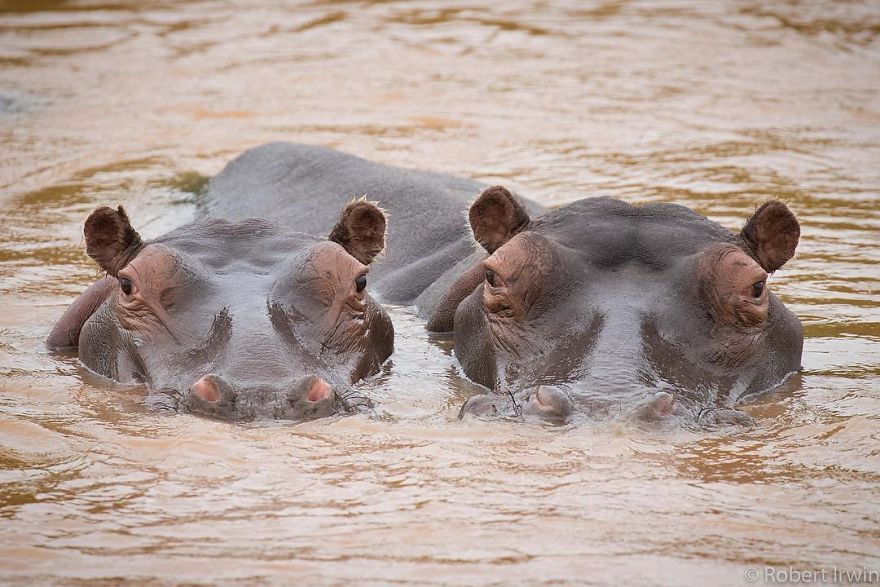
<point x="429" y="243"/>
<point x="612" y="309"/>
<point x="598" y="307"/>
<point x="234" y="320"/>
<point x="606" y="308"/>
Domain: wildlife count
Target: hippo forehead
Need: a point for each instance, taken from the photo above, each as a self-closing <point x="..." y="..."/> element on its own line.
<point x="609" y="232"/>
<point x="252" y="246"/>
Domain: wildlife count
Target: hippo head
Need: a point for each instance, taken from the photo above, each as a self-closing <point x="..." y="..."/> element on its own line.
<point x="617" y="307"/>
<point x="236" y="320"/>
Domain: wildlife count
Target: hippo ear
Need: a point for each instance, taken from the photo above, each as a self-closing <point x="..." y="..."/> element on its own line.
<point x="496" y="216"/>
<point x="772" y="233"/>
<point x="110" y="239"/>
<point x="361" y="230"/>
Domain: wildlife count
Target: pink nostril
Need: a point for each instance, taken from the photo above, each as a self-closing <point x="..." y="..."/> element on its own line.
<point x="318" y="390"/>
<point x="540" y="396"/>
<point x="206" y="389"/>
<point x="543" y="398"/>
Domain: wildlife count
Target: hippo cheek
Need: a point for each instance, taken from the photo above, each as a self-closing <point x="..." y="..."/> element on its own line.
<point x="473" y="346"/>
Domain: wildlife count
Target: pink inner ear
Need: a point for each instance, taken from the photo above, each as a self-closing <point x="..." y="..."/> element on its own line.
<point x="110" y="239"/>
<point x="495" y="217"/>
<point x="361" y="230"/>
<point x="367" y="221"/>
<point x="491" y="225"/>
<point x="773" y="233"/>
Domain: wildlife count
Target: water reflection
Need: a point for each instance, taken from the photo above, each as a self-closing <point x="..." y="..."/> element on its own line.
<point x="712" y="105"/>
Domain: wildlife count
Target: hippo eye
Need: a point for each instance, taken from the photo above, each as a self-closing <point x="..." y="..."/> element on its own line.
<point x="360" y="283"/>
<point x="757" y="289"/>
<point x="125" y="285"/>
<point x="490" y="277"/>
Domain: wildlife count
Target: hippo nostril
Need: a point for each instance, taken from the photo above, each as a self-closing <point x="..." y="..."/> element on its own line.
<point x="485" y="404"/>
<point x="655" y="407"/>
<point x="550" y="399"/>
<point x="318" y="390"/>
<point x="312" y="397"/>
<point x="542" y="397"/>
<point x="549" y="403"/>
<point x="663" y="403"/>
<point x="206" y="388"/>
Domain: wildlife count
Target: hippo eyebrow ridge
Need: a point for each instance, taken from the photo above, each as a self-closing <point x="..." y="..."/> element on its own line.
<point x="220" y="332"/>
<point x="281" y="322"/>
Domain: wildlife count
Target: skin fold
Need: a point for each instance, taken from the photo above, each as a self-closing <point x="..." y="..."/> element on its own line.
<point x="604" y="307"/>
<point x="599" y="307"/>
<point x="234" y="320"/>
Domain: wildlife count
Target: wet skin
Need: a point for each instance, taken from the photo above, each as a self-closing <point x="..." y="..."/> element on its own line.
<point x="234" y="320"/>
<point x="599" y="307"/>
<point x="429" y="243"/>
<point x="607" y="308"/>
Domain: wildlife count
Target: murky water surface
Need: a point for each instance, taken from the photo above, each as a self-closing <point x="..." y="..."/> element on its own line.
<point x="715" y="105"/>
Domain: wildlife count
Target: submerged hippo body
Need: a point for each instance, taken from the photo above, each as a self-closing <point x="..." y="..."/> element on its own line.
<point x="234" y="320"/>
<point x="600" y="306"/>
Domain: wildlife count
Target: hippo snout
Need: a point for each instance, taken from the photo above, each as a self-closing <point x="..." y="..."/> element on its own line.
<point x="306" y="398"/>
<point x="544" y="403"/>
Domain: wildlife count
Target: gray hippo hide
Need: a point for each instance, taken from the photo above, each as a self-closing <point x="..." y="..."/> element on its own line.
<point x="235" y="320"/>
<point x="605" y="307"/>
<point x="599" y="307"/>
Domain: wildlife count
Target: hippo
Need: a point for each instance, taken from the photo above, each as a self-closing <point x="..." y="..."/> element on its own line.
<point x="597" y="307"/>
<point x="235" y="320"/>
<point x="429" y="241"/>
<point x="617" y="308"/>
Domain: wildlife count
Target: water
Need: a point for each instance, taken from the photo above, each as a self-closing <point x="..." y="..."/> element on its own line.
<point x="713" y="105"/>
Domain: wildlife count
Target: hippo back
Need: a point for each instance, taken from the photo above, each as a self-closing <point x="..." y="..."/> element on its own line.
<point x="304" y="186"/>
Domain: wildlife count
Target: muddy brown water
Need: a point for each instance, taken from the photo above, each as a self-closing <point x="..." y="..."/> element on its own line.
<point x="715" y="105"/>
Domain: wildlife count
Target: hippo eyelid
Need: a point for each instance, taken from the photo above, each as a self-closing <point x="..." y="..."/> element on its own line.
<point x="490" y="277"/>
<point x="130" y="276"/>
<point x="758" y="288"/>
<point x="505" y="270"/>
<point x="135" y="274"/>
<point x="492" y="265"/>
<point x="126" y="285"/>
